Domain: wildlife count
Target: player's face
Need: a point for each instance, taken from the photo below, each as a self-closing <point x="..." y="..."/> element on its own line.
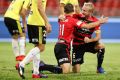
<point x="85" y="11"/>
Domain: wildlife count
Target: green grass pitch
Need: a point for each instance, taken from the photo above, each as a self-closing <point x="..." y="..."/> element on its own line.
<point x="88" y="69"/>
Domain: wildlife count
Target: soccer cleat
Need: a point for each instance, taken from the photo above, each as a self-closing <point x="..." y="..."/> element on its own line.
<point x="39" y="76"/>
<point x="100" y="70"/>
<point x="21" y="71"/>
<point x="22" y="57"/>
<point x="18" y="58"/>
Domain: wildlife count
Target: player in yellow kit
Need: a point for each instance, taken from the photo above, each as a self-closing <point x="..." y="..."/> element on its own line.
<point x="12" y="22"/>
<point x="73" y="2"/>
<point x="37" y="27"/>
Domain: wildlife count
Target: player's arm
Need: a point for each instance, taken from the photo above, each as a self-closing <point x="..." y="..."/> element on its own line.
<point x="24" y="12"/>
<point x="62" y="8"/>
<point x="44" y="16"/>
<point x="77" y="7"/>
<point x="96" y="38"/>
<point x="23" y="15"/>
<point x="24" y="23"/>
<point x="94" y="24"/>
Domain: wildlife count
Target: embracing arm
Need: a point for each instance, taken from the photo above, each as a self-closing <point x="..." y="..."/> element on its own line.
<point x="96" y="38"/>
<point x="97" y="23"/>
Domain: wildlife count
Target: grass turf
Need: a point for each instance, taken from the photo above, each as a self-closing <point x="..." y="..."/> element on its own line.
<point x="88" y="69"/>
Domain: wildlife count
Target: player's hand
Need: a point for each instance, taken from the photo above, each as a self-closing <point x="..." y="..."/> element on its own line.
<point x="87" y="40"/>
<point x="61" y="17"/>
<point x="48" y="28"/>
<point x="103" y="19"/>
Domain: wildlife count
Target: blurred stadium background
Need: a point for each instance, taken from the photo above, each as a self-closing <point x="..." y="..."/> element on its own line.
<point x="108" y="8"/>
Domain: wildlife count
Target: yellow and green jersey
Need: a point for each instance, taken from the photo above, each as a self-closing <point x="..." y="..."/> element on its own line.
<point x="34" y="17"/>
<point x="27" y="4"/>
<point x="14" y="9"/>
<point x="74" y="2"/>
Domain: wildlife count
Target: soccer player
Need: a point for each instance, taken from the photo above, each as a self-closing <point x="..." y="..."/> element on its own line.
<point x="12" y="22"/>
<point x="75" y="3"/>
<point x="83" y="41"/>
<point x="62" y="47"/>
<point x="37" y="26"/>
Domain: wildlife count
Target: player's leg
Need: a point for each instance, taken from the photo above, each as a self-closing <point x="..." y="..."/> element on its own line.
<point x="12" y="27"/>
<point x="99" y="48"/>
<point x="62" y="54"/>
<point x="39" y="41"/>
<point x="100" y="57"/>
<point x="21" y="40"/>
<point x="36" y="73"/>
<point x="49" y="67"/>
<point x="65" y="68"/>
<point x="17" y="42"/>
<point x="77" y="57"/>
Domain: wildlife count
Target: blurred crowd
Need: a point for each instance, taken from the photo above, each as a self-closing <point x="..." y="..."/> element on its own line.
<point x="105" y="7"/>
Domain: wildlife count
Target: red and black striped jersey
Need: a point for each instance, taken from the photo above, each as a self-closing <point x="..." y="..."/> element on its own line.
<point x="81" y="33"/>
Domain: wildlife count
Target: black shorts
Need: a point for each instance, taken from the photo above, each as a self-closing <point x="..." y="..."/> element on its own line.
<point x="36" y="34"/>
<point x="13" y="26"/>
<point x="62" y="53"/>
<point x="79" y="50"/>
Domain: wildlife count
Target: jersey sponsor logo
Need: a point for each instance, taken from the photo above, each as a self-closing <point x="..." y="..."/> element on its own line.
<point x="83" y="31"/>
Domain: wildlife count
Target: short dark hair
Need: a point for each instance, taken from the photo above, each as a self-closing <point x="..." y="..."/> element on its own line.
<point x="68" y="8"/>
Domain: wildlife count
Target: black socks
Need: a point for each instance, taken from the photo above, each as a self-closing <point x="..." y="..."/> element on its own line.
<point x="100" y="57"/>
<point x="51" y="68"/>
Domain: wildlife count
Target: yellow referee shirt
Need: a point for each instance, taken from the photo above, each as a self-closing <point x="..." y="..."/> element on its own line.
<point x="34" y="17"/>
<point x="74" y="2"/>
<point x="14" y="9"/>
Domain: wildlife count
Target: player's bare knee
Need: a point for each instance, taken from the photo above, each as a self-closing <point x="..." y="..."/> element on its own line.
<point x="76" y="68"/>
<point x="65" y="68"/>
<point x="41" y="47"/>
<point x="75" y="71"/>
<point x="100" y="46"/>
<point x="22" y="34"/>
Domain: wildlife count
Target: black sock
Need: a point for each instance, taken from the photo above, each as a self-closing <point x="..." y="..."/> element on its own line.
<point x="100" y="57"/>
<point x="51" y="68"/>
